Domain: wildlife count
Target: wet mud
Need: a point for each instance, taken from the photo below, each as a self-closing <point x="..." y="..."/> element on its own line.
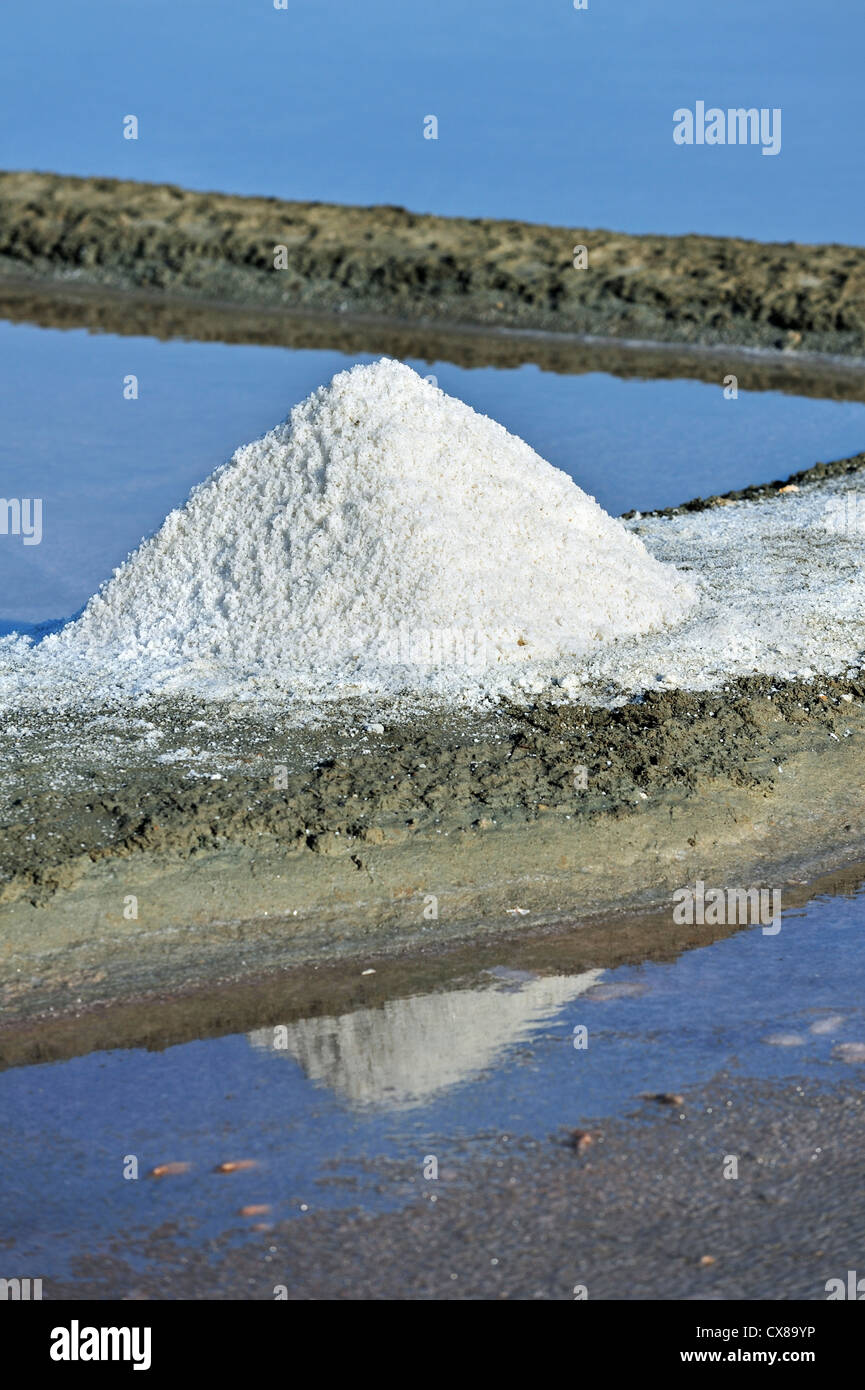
<point x="180" y="844"/>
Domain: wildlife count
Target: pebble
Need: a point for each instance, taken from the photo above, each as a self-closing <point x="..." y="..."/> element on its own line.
<point x="828" y="1025"/>
<point x="580" y="1140"/>
<point x="169" y="1170"/>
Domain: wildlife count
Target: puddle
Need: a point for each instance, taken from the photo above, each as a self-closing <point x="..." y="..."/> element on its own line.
<point x="327" y="1106"/>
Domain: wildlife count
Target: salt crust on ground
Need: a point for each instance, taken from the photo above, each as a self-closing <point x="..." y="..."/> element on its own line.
<point x="387" y="540"/>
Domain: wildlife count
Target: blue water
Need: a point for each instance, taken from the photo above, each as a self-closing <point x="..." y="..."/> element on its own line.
<point x="109" y="469"/>
<point x="545" y="113"/>
<point x="69" y="1126"/>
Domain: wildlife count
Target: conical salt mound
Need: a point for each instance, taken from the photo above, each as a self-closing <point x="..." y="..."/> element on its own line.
<point x="385" y="535"/>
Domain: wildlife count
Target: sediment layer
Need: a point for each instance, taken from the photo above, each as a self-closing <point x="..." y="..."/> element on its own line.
<point x="204" y="844"/>
<point x="419" y="268"/>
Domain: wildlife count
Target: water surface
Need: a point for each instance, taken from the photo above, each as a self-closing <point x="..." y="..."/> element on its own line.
<point x="324" y="1104"/>
<point x="545" y="113"/>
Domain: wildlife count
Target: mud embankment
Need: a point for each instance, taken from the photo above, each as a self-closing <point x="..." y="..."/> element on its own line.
<point x="414" y="268"/>
<point x="191" y="844"/>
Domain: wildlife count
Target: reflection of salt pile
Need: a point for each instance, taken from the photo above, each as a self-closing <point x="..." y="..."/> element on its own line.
<point x="386" y="536"/>
<point x="410" y="1049"/>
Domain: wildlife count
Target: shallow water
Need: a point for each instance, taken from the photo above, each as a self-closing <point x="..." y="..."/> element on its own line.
<point x="545" y="113"/>
<point x="109" y="469"/>
<point x="325" y="1105"/>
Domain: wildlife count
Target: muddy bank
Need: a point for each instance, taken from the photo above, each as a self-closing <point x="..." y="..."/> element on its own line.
<point x="181" y="844"/>
<point x="412" y="267"/>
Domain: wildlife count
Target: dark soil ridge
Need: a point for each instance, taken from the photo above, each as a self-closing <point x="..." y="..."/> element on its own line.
<point x="511" y="768"/>
<point x="412" y="266"/>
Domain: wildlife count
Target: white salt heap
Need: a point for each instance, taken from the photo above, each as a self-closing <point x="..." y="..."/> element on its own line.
<point x="389" y="540"/>
<point x="386" y="537"/>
